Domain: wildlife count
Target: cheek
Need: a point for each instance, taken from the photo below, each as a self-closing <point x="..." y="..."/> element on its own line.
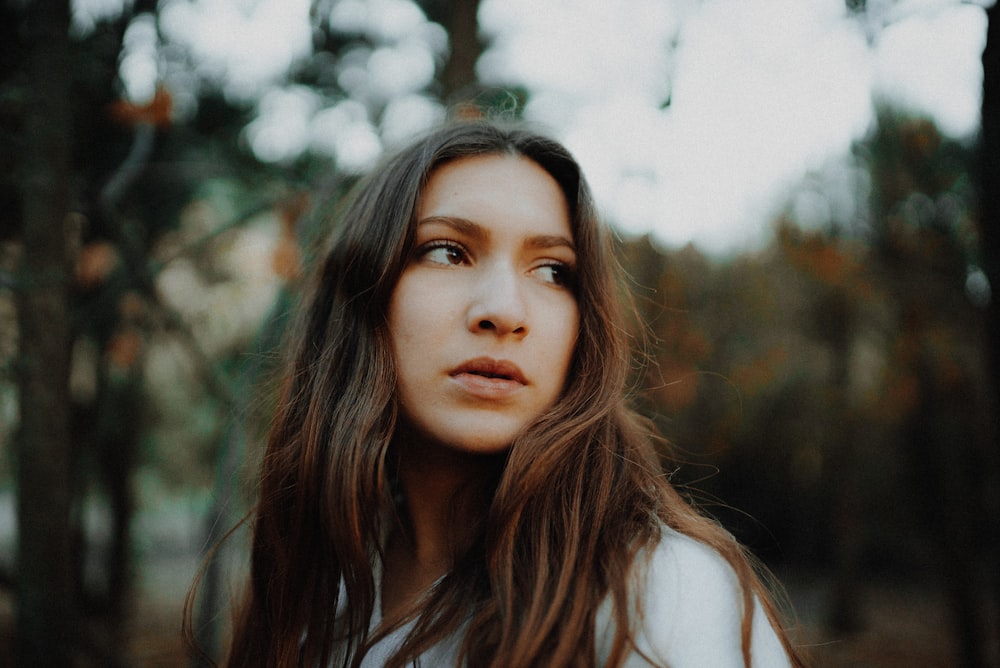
<point x="404" y="313"/>
<point x="397" y="325"/>
<point x="565" y="334"/>
<point x="417" y="320"/>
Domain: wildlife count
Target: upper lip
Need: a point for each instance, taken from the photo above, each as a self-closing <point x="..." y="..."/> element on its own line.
<point x="491" y="368"/>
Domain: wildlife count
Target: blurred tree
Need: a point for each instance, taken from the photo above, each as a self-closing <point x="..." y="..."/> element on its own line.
<point x="925" y="238"/>
<point x="984" y="270"/>
<point x="459" y="17"/>
<point x="47" y="624"/>
<point x="94" y="200"/>
<point x="727" y="382"/>
<point x="989" y="196"/>
<point x="829" y="388"/>
<point x="903" y="458"/>
<point x="837" y="284"/>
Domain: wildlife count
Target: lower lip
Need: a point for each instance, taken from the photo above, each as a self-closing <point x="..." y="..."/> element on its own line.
<point x="487" y="388"/>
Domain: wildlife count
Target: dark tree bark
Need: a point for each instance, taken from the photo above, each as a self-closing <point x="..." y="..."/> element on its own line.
<point x="460" y="73"/>
<point x="459" y="18"/>
<point x="989" y="194"/>
<point x="46" y="618"/>
<point x="989" y="191"/>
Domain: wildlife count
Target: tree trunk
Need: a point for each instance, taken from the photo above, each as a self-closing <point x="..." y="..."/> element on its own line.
<point x="46" y="619"/>
<point x="459" y="76"/>
<point x="989" y="193"/>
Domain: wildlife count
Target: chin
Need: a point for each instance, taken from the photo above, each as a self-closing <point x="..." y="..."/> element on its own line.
<point x="471" y="434"/>
<point x="478" y="444"/>
<point x="485" y="437"/>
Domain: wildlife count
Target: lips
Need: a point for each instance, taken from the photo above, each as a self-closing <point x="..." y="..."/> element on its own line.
<point x="487" y="378"/>
<point x="488" y="367"/>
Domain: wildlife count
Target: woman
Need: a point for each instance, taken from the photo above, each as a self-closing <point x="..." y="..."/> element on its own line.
<point x="453" y="475"/>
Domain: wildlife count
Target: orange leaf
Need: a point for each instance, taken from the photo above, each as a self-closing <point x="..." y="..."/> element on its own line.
<point x="156" y="112"/>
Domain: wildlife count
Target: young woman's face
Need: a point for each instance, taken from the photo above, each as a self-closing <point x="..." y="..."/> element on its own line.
<point x="484" y="320"/>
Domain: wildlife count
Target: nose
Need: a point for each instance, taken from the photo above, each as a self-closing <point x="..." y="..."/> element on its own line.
<point x="498" y="304"/>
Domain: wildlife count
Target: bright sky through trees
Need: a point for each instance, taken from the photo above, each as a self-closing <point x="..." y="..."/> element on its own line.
<point x="760" y="91"/>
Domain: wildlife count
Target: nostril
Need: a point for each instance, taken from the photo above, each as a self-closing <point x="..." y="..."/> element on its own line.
<point x="486" y="324"/>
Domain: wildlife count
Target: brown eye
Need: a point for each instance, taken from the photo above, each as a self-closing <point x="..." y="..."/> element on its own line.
<point x="556" y="273"/>
<point x="444" y="252"/>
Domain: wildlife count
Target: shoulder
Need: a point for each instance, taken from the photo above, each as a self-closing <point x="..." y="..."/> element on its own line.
<point x="691" y="608"/>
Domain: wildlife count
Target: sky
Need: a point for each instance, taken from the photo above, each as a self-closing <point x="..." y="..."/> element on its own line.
<point x="693" y="119"/>
<point x="761" y="92"/>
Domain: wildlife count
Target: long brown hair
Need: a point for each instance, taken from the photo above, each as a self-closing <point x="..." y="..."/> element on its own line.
<point x="575" y="498"/>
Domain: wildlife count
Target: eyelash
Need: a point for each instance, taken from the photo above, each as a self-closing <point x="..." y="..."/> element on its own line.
<point x="453" y="246"/>
<point x="563" y="274"/>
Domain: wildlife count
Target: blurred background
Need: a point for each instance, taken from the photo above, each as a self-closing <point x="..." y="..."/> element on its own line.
<point x="806" y="199"/>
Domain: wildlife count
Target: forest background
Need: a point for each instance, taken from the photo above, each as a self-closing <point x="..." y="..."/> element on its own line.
<point x="830" y="396"/>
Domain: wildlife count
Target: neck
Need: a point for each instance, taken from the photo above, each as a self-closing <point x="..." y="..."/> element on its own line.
<point x="445" y="496"/>
<point x="444" y="500"/>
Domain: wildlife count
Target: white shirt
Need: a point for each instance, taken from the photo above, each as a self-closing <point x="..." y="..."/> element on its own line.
<point x="691" y="603"/>
<point x="692" y="612"/>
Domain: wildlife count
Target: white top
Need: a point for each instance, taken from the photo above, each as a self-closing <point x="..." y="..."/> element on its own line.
<point x="692" y="612"/>
<point x="691" y="616"/>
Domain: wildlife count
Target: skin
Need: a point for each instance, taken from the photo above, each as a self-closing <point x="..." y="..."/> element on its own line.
<point x="483" y="323"/>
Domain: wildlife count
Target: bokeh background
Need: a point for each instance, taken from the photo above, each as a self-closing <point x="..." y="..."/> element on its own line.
<point x="806" y="199"/>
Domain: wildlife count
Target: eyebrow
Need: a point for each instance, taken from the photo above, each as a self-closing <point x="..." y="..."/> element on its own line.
<point x="476" y="231"/>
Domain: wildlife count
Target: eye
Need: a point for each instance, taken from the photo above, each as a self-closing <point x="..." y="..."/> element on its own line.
<point x="444" y="252"/>
<point x="556" y="273"/>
